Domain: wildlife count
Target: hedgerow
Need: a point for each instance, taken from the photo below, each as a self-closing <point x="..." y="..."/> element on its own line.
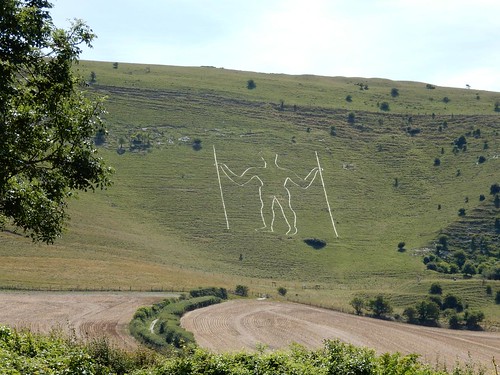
<point x="23" y="352"/>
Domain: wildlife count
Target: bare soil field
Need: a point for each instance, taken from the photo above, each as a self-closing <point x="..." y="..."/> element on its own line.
<point x="245" y="324"/>
<point x="87" y="315"/>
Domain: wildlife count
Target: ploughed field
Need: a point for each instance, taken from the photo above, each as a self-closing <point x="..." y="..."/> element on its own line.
<point x="243" y="324"/>
<point x="247" y="324"/>
<point x="85" y="315"/>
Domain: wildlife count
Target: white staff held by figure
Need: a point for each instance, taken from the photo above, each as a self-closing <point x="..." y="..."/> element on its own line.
<point x="274" y="194"/>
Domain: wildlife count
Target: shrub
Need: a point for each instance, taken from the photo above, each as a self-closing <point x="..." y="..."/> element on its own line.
<point x="251" y="84"/>
<point x="469" y="268"/>
<point x="401" y="246"/>
<point x="437" y="162"/>
<point x="411" y="315"/>
<point x="217" y="292"/>
<point x="358" y="305"/>
<point x="494" y="189"/>
<point x="454" y="321"/>
<point x="446" y="100"/>
<point x="481" y="159"/>
<point x="380" y="307"/>
<point x="241" y="290"/>
<point x="394" y="92"/>
<point x="428" y="312"/>
<point x="473" y="318"/>
<point x="348" y="98"/>
<point x="461" y="212"/>
<point x="384" y="106"/>
<point x="351" y="118"/>
<point x="197" y="144"/>
<point x="435" y="289"/>
<point x="282" y="291"/>
<point x="452" y="302"/>
<point x="497" y="297"/>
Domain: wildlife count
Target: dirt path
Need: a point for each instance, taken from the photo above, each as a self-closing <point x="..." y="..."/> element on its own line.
<point x="243" y="324"/>
<point x="88" y="315"/>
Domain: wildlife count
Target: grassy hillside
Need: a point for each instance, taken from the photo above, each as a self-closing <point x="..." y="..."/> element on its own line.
<point x="162" y="223"/>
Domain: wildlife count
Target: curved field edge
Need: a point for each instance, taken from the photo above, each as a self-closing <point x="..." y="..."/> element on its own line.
<point x="251" y="324"/>
<point x="159" y="326"/>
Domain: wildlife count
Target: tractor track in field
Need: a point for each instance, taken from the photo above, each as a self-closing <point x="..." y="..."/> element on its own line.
<point x="246" y="324"/>
<point x="87" y="315"/>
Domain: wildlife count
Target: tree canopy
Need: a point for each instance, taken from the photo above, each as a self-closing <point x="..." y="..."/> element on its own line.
<point x="47" y="120"/>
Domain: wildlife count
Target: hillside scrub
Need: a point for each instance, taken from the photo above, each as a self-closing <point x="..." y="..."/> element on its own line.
<point x="23" y="352"/>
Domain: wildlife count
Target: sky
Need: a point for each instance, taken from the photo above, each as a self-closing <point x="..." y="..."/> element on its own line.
<point x="443" y="42"/>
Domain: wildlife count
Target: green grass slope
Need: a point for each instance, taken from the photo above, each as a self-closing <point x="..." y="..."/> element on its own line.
<point x="162" y="223"/>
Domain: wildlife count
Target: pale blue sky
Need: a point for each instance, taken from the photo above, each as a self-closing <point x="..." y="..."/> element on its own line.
<point x="443" y="42"/>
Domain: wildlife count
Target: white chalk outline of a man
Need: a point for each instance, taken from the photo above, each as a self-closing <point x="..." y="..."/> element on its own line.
<point x="283" y="201"/>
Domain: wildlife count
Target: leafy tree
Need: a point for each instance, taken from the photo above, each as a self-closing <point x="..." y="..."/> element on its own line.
<point x="379" y="306"/>
<point x="436" y="289"/>
<point x="241" y="290"/>
<point x="47" y="122"/>
<point x="358" y="305"/>
<point x="428" y="312"/>
<point x="473" y="318"/>
<point x="460" y="257"/>
<point x="469" y="268"/>
<point x="401" y="247"/>
<point x="251" y="84"/>
<point x="454" y="321"/>
<point x="452" y="302"/>
<point x="411" y="314"/>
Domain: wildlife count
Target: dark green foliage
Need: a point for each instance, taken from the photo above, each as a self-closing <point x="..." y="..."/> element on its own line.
<point x="27" y="353"/>
<point x="437" y="162"/>
<point x="380" y="307"/>
<point x="384" y="106"/>
<point x="497" y="297"/>
<point x="217" y="292"/>
<point x="452" y="302"/>
<point x="455" y="321"/>
<point x="251" y="84"/>
<point x="411" y="315"/>
<point x="241" y="290"/>
<point x="46" y="121"/>
<point x="446" y="100"/>
<point x="348" y="98"/>
<point x="481" y="159"/>
<point x="333" y="131"/>
<point x="282" y="291"/>
<point x="401" y="247"/>
<point x="489" y="291"/>
<point x="358" y="305"/>
<point x="435" y="289"/>
<point x="351" y="118"/>
<point x="461" y="142"/>
<point x="497" y="106"/>
<point x="428" y="312"/>
<point x="461" y="212"/>
<point x="168" y="314"/>
<point x="494" y="189"/>
<point x="196" y="144"/>
<point x="469" y="268"/>
<point x="473" y="318"/>
<point x="394" y="92"/>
